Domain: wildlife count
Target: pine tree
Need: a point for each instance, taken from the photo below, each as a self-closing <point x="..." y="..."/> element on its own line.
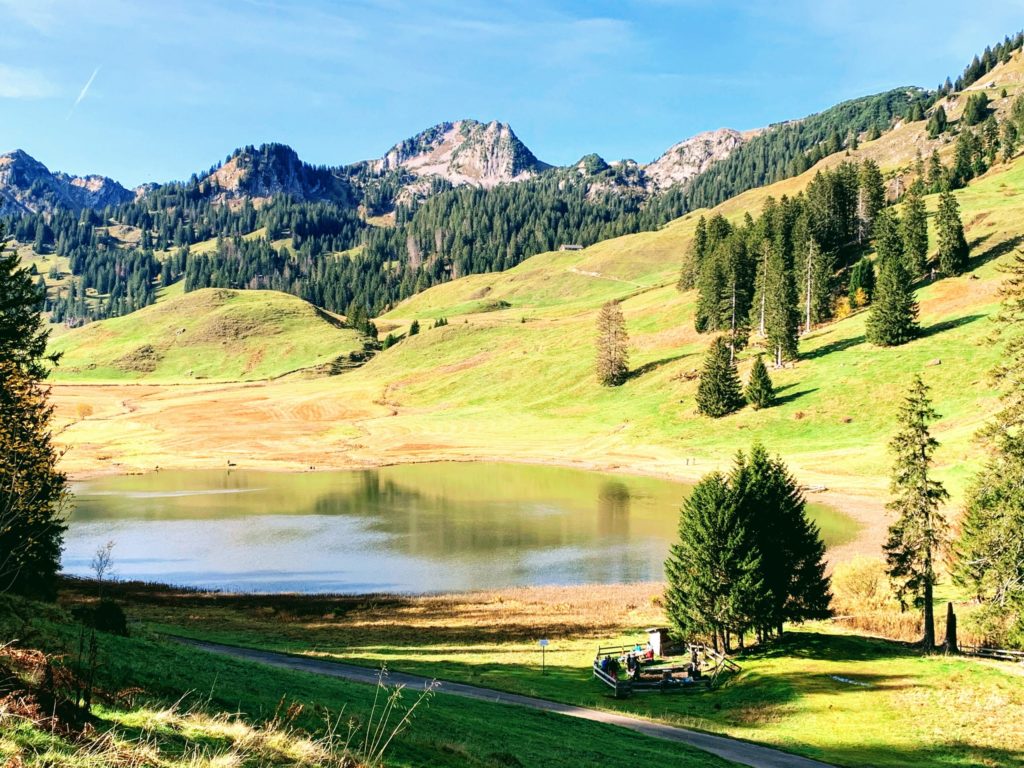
<point x="790" y="545"/>
<point x="937" y="122"/>
<point x="976" y="109"/>
<point x="915" y="232"/>
<point x="713" y="572"/>
<point x="888" y="240"/>
<point x="893" y="318"/>
<point x="870" y="198"/>
<point x="719" y="392"/>
<point x="32" y="491"/>
<point x="917" y="536"/>
<point x="991" y="548"/>
<point x="414" y="328"/>
<point x="815" y="284"/>
<point x="694" y="257"/>
<point x="781" y="316"/>
<point x="953" y="250"/>
<point x="938" y="178"/>
<point x="612" y="345"/>
<point x="759" y="392"/>
<point x="1008" y="140"/>
<point x="862" y="282"/>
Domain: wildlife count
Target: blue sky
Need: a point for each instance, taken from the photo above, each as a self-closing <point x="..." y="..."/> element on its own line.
<point x="153" y="91"/>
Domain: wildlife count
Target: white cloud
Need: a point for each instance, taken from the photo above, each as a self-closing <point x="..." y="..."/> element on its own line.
<point x="18" y="83"/>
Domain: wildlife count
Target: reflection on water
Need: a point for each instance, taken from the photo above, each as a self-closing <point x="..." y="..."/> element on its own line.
<point x="412" y="528"/>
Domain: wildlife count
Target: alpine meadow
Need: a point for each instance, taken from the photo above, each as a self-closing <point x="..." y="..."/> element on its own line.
<point x="457" y="456"/>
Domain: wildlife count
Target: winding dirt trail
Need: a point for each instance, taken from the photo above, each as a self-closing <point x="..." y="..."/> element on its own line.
<point x="740" y="752"/>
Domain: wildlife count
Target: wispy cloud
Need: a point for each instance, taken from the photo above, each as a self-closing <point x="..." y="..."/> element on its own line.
<point x="83" y="92"/>
<point x="17" y="83"/>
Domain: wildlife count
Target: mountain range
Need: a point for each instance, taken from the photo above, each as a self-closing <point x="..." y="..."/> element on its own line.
<point x="450" y="154"/>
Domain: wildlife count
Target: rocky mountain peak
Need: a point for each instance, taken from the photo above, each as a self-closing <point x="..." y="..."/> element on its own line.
<point x="268" y="170"/>
<point x="692" y="156"/>
<point x="28" y="186"/>
<point x="463" y="152"/>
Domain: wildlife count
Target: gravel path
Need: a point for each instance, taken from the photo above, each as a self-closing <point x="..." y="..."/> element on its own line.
<point x="741" y="752"/>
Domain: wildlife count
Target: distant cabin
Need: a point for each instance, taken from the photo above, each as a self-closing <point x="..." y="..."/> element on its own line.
<point x="570" y="247"/>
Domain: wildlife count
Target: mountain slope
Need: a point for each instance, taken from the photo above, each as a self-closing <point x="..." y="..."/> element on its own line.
<point x="214" y="334"/>
<point x="683" y="162"/>
<point x="273" y="169"/>
<point x="28" y="186"/>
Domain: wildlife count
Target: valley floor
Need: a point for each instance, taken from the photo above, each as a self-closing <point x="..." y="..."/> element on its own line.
<point x="820" y="692"/>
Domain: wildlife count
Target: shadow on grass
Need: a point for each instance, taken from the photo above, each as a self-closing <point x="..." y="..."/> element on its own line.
<point x="948" y="325"/>
<point x="993" y="252"/>
<point x="838" y="345"/>
<point x="654" y="365"/>
<point x="781" y="399"/>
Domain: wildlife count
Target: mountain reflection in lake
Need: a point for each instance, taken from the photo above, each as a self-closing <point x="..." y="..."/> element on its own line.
<point x="411" y="528"/>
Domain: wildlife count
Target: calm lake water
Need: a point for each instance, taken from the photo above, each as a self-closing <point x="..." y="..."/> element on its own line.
<point x="412" y="528"/>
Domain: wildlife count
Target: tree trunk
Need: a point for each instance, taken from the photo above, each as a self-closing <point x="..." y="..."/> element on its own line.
<point x="951" y="644"/>
<point x="807" y="292"/>
<point x="929" y="617"/>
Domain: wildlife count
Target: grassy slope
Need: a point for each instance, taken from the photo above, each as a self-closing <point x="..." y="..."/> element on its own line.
<point x="901" y="709"/>
<point x="448" y="731"/>
<point x="210" y="334"/>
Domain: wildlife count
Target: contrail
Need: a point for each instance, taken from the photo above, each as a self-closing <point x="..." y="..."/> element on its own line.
<point x="84" y="91"/>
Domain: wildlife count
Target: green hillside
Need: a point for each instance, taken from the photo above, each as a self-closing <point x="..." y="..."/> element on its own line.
<point x="211" y="334"/>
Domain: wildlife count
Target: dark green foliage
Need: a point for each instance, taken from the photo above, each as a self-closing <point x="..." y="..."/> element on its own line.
<point x="917" y="536"/>
<point x="440" y="322"/>
<point x="713" y="572"/>
<point x="893" y="318"/>
<point x="815" y="270"/>
<point x="719" y="392"/>
<point x="976" y="109"/>
<point x="915" y="113"/>
<point x="694" y="257"/>
<point x="781" y="316"/>
<point x="985" y="63"/>
<point x="32" y="490"/>
<point x="991" y="549"/>
<point x="791" y="148"/>
<point x="759" y="391"/>
<point x="953" y="250"/>
<point x="915" y="232"/>
<point x="862" y="277"/>
<point x="747" y="558"/>
<point x="870" y="198"/>
<point x="938" y="177"/>
<point x="888" y="240"/>
<point x="968" y="159"/>
<point x="937" y="122"/>
<point x="1008" y="140"/>
<point x="414" y="328"/>
<point x="389" y="341"/>
<point x="792" y="552"/>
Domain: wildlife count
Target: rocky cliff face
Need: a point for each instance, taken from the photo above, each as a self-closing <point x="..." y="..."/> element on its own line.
<point x="272" y="169"/>
<point x="28" y="186"/>
<point x="690" y="157"/>
<point x="464" y="152"/>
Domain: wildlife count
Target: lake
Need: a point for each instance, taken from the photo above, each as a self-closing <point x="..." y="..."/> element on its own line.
<point x="413" y="528"/>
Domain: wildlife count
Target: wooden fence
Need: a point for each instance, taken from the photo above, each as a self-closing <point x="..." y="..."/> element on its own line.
<point x="1000" y="654"/>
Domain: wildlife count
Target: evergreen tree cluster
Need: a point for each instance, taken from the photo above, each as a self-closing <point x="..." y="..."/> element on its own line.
<point x="984" y="63"/>
<point x="32" y="490"/>
<point x="748" y="558"/>
<point x="790" y="149"/>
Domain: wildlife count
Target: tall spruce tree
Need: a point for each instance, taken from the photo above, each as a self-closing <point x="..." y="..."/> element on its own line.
<point x="612" y="345"/>
<point x="893" y="318"/>
<point x="781" y="315"/>
<point x="790" y="545"/>
<point x="718" y="392"/>
<point x="953" y="250"/>
<point x="888" y="240"/>
<point x="990" y="553"/>
<point x="918" y="534"/>
<point x="915" y="232"/>
<point x="32" y="491"/>
<point x="759" y="391"/>
<point x="817" y="269"/>
<point x="694" y="257"/>
<point x="870" y="198"/>
<point x="714" y="587"/>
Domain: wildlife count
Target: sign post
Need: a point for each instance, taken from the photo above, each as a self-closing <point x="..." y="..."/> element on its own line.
<point x="543" y="648"/>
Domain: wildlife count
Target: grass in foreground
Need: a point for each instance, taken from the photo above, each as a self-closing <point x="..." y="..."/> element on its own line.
<point x="848" y="700"/>
<point x="281" y="715"/>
